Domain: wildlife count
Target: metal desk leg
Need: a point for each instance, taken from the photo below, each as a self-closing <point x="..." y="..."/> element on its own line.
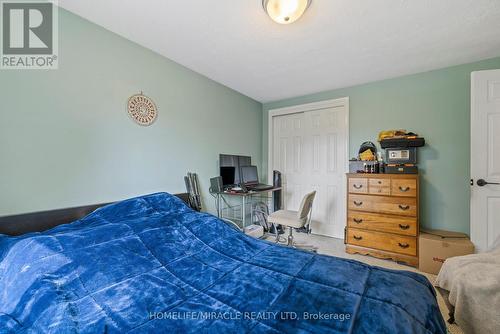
<point x="219" y="210"/>
<point x="271" y="209"/>
<point x="243" y="212"/>
<point x="251" y="210"/>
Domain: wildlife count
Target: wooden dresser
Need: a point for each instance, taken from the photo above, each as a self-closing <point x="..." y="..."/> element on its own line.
<point x="382" y="216"/>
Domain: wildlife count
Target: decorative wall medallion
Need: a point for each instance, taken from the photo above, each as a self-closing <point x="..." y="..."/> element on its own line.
<point x="142" y="109"/>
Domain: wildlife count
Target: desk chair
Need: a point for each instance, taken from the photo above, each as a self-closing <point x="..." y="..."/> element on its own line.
<point x="295" y="219"/>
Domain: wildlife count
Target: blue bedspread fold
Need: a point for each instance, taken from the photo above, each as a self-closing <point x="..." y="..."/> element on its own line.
<point x="152" y="265"/>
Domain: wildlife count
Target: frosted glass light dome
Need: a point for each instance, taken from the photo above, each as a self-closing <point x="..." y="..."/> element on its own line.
<point x="285" y="11"/>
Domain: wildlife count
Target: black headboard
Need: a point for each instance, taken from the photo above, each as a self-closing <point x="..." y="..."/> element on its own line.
<point x="44" y="220"/>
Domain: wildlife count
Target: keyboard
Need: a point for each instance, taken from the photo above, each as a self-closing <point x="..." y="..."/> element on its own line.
<point x="259" y="187"/>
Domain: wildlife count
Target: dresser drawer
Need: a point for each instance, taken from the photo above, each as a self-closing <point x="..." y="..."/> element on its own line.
<point x="383" y="241"/>
<point x="383" y="204"/>
<point x="382" y="223"/>
<point x="358" y="185"/>
<point x="404" y="187"/>
<point x="379" y="186"/>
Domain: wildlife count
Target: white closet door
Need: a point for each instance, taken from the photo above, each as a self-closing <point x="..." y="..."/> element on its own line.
<point x="288" y="147"/>
<point x="309" y="148"/>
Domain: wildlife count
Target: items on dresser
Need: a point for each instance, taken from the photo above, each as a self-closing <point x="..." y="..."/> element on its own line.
<point x="382" y="216"/>
<point x="368" y="160"/>
<point x="401" y="153"/>
<point x="401" y="169"/>
<point x="358" y="166"/>
<point x="367" y="151"/>
<point x="402" y="142"/>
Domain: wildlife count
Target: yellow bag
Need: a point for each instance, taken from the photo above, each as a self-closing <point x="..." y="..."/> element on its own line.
<point x="390" y="134"/>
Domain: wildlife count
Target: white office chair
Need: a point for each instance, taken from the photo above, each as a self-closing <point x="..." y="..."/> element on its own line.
<point x="295" y="219"/>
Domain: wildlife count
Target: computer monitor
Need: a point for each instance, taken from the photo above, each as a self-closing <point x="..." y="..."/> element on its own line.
<point x="236" y="161"/>
<point x="249" y="175"/>
<point x="227" y="174"/>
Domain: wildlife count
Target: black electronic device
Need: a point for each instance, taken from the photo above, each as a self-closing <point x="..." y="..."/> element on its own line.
<point x="401" y="169"/>
<point x="227" y="174"/>
<point x="250" y="178"/>
<point x="403" y="142"/>
<point x="406" y="155"/>
<point x="236" y="161"/>
<point x="249" y="174"/>
<point x="216" y="185"/>
<point x="358" y="166"/>
<point x="277" y="194"/>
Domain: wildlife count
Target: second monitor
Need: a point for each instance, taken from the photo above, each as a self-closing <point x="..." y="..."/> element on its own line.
<point x="250" y="178"/>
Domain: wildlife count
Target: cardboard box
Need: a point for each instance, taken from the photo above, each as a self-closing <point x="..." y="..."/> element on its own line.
<point x="435" y="246"/>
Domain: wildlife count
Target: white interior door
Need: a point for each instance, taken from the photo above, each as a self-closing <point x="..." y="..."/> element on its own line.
<point x="485" y="158"/>
<point x="310" y="150"/>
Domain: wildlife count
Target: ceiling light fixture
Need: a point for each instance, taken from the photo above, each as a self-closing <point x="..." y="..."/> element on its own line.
<point x="285" y="11"/>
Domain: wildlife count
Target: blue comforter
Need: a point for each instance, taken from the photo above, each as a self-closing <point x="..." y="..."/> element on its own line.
<point x="153" y="265"/>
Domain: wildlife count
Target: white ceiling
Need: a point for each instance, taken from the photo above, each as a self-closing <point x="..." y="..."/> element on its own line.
<point x="338" y="43"/>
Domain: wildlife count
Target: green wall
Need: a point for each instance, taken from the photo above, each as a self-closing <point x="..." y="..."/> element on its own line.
<point x="434" y="104"/>
<point x="66" y="138"/>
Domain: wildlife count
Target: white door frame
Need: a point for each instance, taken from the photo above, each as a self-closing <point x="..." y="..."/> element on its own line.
<point x="344" y="101"/>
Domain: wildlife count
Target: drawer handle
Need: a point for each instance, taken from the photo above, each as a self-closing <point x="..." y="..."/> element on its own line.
<point x="403" y="245"/>
<point x="357" y="238"/>
<point x="404" y="227"/>
<point x="358" y="220"/>
<point x="404" y="207"/>
<point x="358" y="203"/>
<point x="357" y="186"/>
<point x="379" y="182"/>
<point x="405" y="189"/>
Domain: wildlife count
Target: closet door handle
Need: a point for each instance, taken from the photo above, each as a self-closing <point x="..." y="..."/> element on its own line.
<point x="405" y="189"/>
<point x="404" y="227"/>
<point x="403" y="245"/>
<point x="404" y="207"/>
<point x="358" y="220"/>
<point x="358" y="203"/>
<point x="357" y="186"/>
<point x="357" y="238"/>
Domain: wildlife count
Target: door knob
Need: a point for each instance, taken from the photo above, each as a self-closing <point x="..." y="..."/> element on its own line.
<point x="482" y="182"/>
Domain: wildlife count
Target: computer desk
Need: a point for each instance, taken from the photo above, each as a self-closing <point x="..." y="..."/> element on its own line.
<point x="245" y="198"/>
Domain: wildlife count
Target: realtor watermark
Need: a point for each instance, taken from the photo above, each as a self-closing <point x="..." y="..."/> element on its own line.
<point x="172" y="315"/>
<point x="29" y="34"/>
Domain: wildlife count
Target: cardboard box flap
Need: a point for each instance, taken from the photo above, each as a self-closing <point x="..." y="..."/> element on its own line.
<point x="445" y="234"/>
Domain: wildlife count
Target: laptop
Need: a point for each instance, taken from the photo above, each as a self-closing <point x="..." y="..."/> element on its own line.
<point x="250" y="178"/>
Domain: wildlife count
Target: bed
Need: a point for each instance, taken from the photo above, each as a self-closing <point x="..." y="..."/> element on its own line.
<point x="470" y="286"/>
<point x="151" y="264"/>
